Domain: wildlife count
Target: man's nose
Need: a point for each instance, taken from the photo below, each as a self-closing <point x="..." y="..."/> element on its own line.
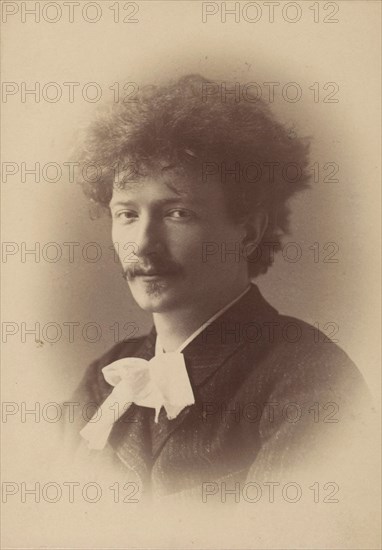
<point x="149" y="237"/>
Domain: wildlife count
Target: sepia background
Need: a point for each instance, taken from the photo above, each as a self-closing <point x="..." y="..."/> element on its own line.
<point x="170" y="39"/>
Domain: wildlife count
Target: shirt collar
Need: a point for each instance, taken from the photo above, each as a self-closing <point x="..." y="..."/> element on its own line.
<point x="158" y="346"/>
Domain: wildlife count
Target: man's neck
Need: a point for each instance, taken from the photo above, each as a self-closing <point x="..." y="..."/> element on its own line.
<point x="174" y="327"/>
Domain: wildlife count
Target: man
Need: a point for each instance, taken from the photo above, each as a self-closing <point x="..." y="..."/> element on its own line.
<point x="223" y="387"/>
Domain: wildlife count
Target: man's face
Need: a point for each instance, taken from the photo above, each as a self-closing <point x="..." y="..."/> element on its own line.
<point x="161" y="227"/>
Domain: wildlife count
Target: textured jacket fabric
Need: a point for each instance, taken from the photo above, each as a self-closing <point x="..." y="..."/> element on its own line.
<point x="272" y="395"/>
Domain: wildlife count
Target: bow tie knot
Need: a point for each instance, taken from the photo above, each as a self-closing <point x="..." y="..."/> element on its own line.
<point x="161" y="382"/>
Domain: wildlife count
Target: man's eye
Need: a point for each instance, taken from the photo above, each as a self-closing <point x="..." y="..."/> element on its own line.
<point x="179" y="213"/>
<point x="125" y="216"/>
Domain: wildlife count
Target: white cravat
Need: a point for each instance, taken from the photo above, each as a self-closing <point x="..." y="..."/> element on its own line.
<point x="161" y="382"/>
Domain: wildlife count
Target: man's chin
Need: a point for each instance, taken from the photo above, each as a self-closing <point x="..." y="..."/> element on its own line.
<point x="154" y="296"/>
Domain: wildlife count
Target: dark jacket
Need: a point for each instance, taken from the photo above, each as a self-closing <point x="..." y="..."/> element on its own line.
<point x="272" y="395"/>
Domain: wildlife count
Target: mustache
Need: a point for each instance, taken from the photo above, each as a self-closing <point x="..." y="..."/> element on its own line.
<point x="152" y="267"/>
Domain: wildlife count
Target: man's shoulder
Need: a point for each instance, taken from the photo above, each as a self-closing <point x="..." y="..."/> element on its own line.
<point x="298" y="357"/>
<point x="307" y="345"/>
<point x="283" y="339"/>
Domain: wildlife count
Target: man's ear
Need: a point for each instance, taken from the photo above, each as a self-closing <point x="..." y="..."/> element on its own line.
<point x="255" y="226"/>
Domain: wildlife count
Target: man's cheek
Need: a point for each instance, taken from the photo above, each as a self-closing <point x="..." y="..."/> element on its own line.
<point x="125" y="248"/>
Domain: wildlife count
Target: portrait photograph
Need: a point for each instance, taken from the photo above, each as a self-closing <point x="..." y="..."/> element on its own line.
<point x="191" y="274"/>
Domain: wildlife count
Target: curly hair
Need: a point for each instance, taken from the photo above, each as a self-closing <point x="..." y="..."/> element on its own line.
<point x="190" y="125"/>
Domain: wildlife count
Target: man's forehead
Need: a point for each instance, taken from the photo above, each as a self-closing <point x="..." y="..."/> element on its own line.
<point x="169" y="182"/>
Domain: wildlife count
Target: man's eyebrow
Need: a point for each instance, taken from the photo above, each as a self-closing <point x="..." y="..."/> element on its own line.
<point x="119" y="203"/>
<point x="171" y="200"/>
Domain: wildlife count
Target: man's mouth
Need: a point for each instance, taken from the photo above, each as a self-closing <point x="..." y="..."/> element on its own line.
<point x="153" y="275"/>
<point x="150" y="274"/>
